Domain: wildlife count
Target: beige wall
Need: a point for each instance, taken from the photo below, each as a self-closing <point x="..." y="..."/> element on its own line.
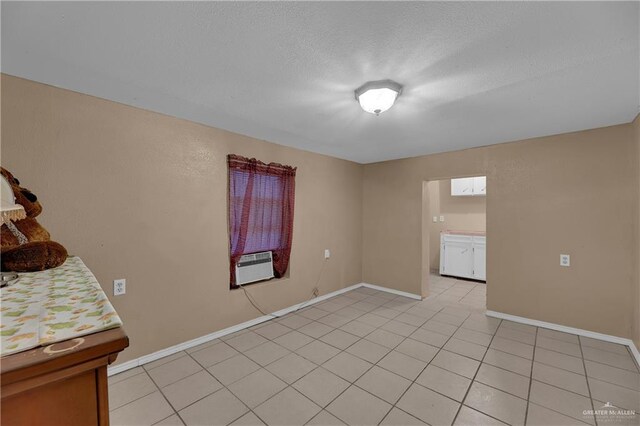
<point x="574" y="193"/>
<point x="142" y="196"/>
<point x="635" y="328"/>
<point x="460" y="213"/>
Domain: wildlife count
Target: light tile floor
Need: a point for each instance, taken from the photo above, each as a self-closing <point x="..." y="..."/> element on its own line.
<point x="368" y="357"/>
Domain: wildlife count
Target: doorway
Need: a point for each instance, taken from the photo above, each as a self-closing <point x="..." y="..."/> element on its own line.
<point x="454" y="236"/>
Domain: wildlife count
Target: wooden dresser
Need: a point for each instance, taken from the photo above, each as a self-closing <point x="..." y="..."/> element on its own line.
<point x="64" y="383"/>
<point x="59" y="333"/>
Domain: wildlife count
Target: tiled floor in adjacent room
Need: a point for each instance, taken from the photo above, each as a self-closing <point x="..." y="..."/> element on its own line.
<point x="368" y="357"/>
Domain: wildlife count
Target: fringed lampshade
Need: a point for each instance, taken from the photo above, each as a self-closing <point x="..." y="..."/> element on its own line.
<point x="9" y="210"/>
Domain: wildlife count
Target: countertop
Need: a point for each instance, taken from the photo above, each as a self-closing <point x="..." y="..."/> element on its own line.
<point x="460" y="232"/>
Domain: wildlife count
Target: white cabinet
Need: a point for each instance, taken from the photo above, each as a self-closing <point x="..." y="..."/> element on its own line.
<point x="458" y="260"/>
<point x="463" y="256"/>
<point x="462" y="186"/>
<point x="469" y="186"/>
<point x="479" y="249"/>
<point x="480" y="185"/>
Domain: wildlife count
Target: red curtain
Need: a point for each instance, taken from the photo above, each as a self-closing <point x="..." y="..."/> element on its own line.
<point x="261" y="200"/>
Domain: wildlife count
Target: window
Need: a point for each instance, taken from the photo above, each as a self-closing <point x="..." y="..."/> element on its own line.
<point x="261" y="201"/>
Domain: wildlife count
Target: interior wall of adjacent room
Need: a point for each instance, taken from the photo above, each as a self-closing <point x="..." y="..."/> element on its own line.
<point x="573" y="193"/>
<point x="460" y="213"/>
<point x="143" y="196"/>
<point x="636" y="291"/>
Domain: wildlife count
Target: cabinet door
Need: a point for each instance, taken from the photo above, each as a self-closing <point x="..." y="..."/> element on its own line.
<point x="458" y="259"/>
<point x="462" y="186"/>
<point x="480" y="185"/>
<point x="480" y="262"/>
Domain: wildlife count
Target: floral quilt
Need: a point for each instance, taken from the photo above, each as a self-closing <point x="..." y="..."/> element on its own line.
<point x="45" y="307"/>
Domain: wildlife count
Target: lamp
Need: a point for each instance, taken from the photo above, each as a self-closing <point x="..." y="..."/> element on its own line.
<point x="9" y="213"/>
<point x="376" y="97"/>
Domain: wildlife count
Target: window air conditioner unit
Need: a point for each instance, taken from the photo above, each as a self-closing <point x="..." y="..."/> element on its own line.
<point x="254" y="267"/>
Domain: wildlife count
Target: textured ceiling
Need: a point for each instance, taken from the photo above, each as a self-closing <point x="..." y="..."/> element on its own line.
<point x="473" y="73"/>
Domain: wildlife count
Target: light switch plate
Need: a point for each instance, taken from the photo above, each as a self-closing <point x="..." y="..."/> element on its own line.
<point x="441" y="218"/>
<point x="327" y="253"/>
<point x="565" y="260"/>
<point x="435" y="219"/>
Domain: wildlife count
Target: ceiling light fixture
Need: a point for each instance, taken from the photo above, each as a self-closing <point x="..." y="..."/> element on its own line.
<point x="376" y="97"/>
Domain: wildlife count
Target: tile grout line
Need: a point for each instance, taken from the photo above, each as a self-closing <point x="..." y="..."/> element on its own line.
<point x="136" y="399"/>
<point x="584" y="366"/>
<point x="473" y="380"/>
<point x="126" y="378"/>
<point x="635" y="361"/>
<point x="170" y="415"/>
<point x="319" y="366"/>
<point x="559" y="388"/>
<point x="562" y="353"/>
<point x="425" y="319"/>
<point x="556" y="387"/>
<point x="394" y="405"/>
<point x="442" y="348"/>
<point x="547" y="384"/>
<point x="360" y="338"/>
<point x="400" y="409"/>
<point x="461" y="403"/>
<point x="177" y="412"/>
<point x="526" y="412"/>
<point x="337" y="396"/>
<point x="368" y="369"/>
<point x="225" y="387"/>
<point x="163" y="395"/>
<point x="288" y="385"/>
<point x="555" y="411"/>
<point x="424" y="368"/>
<point x="157" y="388"/>
<point x="532" y="361"/>
<point x="609" y="382"/>
<point x="264" y="367"/>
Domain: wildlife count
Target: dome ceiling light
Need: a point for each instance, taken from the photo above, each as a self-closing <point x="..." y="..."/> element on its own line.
<point x="376" y="97"/>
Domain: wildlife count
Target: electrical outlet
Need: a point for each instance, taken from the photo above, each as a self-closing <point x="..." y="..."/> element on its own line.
<point x="565" y="260"/>
<point x="119" y="287"/>
<point x="441" y="218"/>
<point x="327" y="253"/>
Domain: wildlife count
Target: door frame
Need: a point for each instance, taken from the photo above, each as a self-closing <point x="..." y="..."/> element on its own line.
<point x="426" y="232"/>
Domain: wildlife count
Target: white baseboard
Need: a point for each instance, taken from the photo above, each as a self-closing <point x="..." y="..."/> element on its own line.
<point x="217" y="334"/>
<point x="119" y="368"/>
<point x="392" y="291"/>
<point x="571" y="330"/>
<point x="635" y="352"/>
